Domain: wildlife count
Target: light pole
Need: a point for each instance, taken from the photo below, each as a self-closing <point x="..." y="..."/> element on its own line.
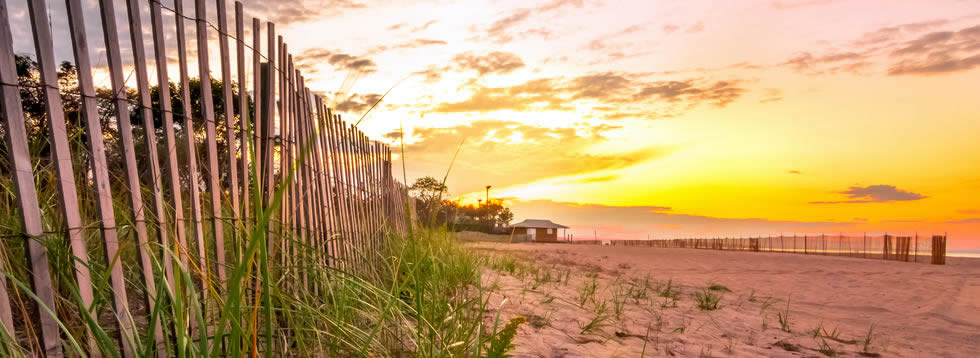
<point x="488" y="195"/>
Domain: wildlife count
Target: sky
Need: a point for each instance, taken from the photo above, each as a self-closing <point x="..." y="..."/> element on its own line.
<point x="629" y="119"/>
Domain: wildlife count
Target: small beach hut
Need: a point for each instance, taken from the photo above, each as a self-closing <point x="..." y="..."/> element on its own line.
<point x="537" y="230"/>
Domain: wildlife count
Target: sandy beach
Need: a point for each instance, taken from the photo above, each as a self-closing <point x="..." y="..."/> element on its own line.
<point x="780" y="305"/>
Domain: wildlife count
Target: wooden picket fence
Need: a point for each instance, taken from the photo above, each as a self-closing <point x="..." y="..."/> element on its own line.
<point x="885" y="247"/>
<point x="320" y="180"/>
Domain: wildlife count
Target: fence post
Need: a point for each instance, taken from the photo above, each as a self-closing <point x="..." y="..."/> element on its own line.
<point x="23" y="173"/>
<point x="100" y="174"/>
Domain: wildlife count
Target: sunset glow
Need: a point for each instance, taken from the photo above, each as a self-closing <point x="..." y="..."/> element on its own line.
<point x="634" y="118"/>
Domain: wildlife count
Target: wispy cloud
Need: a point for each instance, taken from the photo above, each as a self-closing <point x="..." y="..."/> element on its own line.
<point x="285" y="12"/>
<point x="495" y="62"/>
<point x="938" y="52"/>
<point x="965" y="221"/>
<point x="931" y="53"/>
<point x="340" y="60"/>
<point x="874" y="194"/>
<point x="608" y="88"/>
<point x="510" y="153"/>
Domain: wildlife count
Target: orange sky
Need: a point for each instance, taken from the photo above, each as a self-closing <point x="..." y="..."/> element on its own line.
<point x="659" y="117"/>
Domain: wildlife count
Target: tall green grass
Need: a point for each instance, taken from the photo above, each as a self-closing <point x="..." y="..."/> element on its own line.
<point x="419" y="294"/>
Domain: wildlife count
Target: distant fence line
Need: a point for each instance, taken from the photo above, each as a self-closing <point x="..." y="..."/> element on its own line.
<point x="886" y="247"/>
<point x="341" y="200"/>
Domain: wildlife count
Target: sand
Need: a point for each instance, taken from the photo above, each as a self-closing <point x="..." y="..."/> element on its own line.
<point x="916" y="310"/>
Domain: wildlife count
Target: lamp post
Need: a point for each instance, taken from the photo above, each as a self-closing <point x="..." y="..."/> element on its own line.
<point x="488" y="194"/>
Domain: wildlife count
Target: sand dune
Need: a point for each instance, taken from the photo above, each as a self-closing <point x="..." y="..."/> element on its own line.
<point x="916" y="310"/>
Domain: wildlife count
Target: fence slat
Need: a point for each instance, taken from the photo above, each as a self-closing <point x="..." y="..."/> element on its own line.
<point x="307" y="229"/>
<point x="351" y="187"/>
<point x="294" y="199"/>
<point x="284" y="211"/>
<point x="17" y="143"/>
<point x="269" y="116"/>
<point x="149" y="132"/>
<point x="327" y="184"/>
<point x="321" y="188"/>
<point x="114" y="59"/>
<point x="244" y="120"/>
<point x="166" y="112"/>
<point x="257" y="96"/>
<point x="100" y="172"/>
<point x="345" y="190"/>
<point x="337" y="192"/>
<point x="189" y="133"/>
<point x="229" y="107"/>
<point x="207" y="111"/>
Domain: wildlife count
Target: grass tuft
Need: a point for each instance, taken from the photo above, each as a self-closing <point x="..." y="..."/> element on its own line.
<point x="707" y="300"/>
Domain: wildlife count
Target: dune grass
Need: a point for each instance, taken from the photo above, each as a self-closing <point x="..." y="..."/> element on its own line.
<point x="415" y="293"/>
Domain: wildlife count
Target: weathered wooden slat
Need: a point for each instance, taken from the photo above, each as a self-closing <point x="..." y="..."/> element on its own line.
<point x="306" y="189"/>
<point x="366" y="183"/>
<point x="340" y="182"/>
<point x="149" y="132"/>
<point x="336" y="232"/>
<point x="318" y="179"/>
<point x="376" y="194"/>
<point x="100" y="173"/>
<point x="268" y="132"/>
<point x="324" y="182"/>
<point x="192" y="172"/>
<point x="327" y="184"/>
<point x="355" y="191"/>
<point x="228" y="102"/>
<point x="360" y="166"/>
<point x="379" y="156"/>
<point x="114" y="59"/>
<point x="291" y="153"/>
<point x="257" y="121"/>
<point x="372" y="193"/>
<point x="17" y="143"/>
<point x="244" y="120"/>
<point x="166" y="111"/>
<point x="379" y="191"/>
<point x="268" y="122"/>
<point x="359" y="180"/>
<point x="345" y="152"/>
<point x="311" y="174"/>
<point x="284" y="212"/>
<point x="299" y="201"/>
<point x="207" y="110"/>
<point x="311" y="169"/>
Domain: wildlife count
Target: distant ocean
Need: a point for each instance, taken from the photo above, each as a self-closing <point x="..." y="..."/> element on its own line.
<point x="963" y="253"/>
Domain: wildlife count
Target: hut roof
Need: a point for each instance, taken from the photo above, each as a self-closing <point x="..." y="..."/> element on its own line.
<point x="547" y="224"/>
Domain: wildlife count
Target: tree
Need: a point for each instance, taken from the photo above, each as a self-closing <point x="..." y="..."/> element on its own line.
<point x="504" y="217"/>
<point x="35" y="120"/>
<point x="428" y="193"/>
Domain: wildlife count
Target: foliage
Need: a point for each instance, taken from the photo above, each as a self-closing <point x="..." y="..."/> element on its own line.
<point x="35" y="118"/>
<point x="502" y="342"/>
<point x="488" y="217"/>
<point x="706" y="300"/>
<point x="428" y="193"/>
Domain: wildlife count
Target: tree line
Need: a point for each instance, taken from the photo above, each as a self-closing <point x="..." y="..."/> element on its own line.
<point x="485" y="216"/>
<point x="35" y="118"/>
